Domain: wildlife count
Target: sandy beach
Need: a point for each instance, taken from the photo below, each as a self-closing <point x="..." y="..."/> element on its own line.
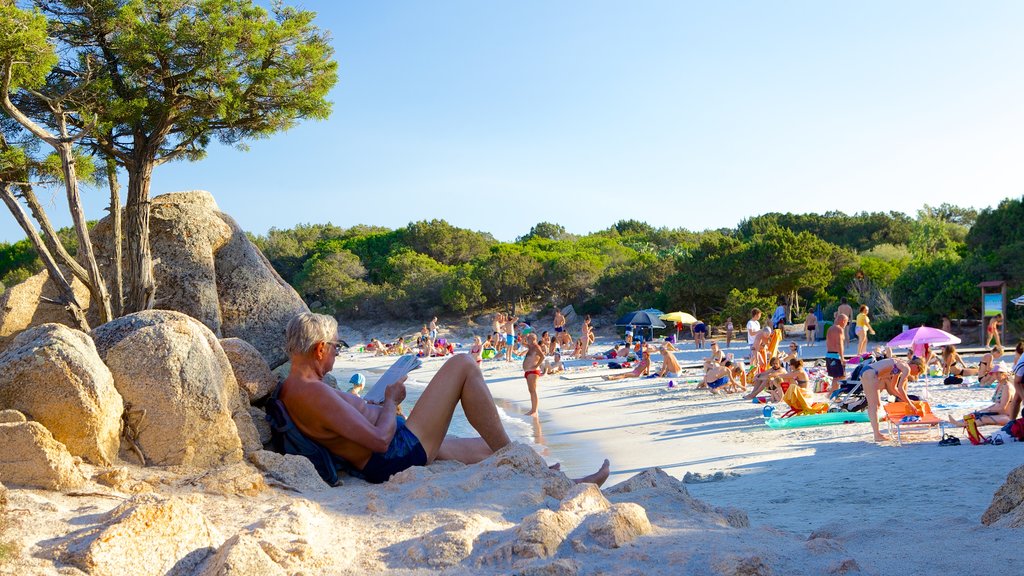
<point x="734" y="497"/>
<point x="884" y="502"/>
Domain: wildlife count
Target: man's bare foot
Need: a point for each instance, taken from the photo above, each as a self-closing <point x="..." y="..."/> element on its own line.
<point x="597" y="477"/>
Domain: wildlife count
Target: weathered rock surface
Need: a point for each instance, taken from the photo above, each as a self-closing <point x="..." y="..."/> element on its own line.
<point x="668" y="501"/>
<point x="234" y="479"/>
<point x="120" y="479"/>
<point x="145" y="535"/>
<point x="619" y="525"/>
<point x="53" y="374"/>
<point x="11" y="416"/>
<point x="293" y="471"/>
<point x="206" y="267"/>
<point x="255" y="302"/>
<point x="251" y="370"/>
<point x="450" y="543"/>
<point x="21" y="305"/>
<point x="177" y="386"/>
<point x="185" y="231"/>
<point x="259" y="420"/>
<point x="241" y="555"/>
<point x="1007" y="507"/>
<point x="31" y="457"/>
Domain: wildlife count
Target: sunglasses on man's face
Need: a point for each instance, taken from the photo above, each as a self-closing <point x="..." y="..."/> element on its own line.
<point x="337" y="346"/>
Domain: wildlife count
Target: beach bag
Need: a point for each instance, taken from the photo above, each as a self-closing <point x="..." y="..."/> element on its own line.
<point x="1016" y="429"/>
<point x="614" y="365"/>
<point x="952" y="380"/>
<point x="285" y="438"/>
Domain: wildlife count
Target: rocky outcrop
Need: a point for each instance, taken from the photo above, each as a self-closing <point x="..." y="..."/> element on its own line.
<point x="53" y="374"/>
<point x="251" y="370"/>
<point x="178" y="387"/>
<point x="295" y="472"/>
<point x="22" y="305"/>
<point x="205" y="266"/>
<point x="31" y="457"/>
<point x="255" y="302"/>
<point x="146" y="535"/>
<point x="1007" y="507"/>
<point x="241" y="555"/>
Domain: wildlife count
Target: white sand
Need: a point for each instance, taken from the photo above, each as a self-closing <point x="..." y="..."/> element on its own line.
<point x="874" y="509"/>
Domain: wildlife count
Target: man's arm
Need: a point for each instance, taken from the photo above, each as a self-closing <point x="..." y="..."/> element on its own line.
<point x="338" y="415"/>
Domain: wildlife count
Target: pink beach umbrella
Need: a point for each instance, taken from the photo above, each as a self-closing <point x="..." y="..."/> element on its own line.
<point x="923" y="335"/>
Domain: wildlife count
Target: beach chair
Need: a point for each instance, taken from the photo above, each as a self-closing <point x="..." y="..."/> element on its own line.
<point x="901" y="421"/>
<point x="796" y="398"/>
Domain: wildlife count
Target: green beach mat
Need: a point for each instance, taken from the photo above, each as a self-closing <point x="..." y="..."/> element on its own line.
<point x="826" y="419"/>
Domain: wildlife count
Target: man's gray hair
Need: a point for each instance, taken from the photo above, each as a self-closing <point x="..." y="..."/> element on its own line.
<point x="307" y="330"/>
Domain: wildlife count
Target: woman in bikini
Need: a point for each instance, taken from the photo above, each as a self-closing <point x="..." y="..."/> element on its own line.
<point x="890" y="374"/>
<point x="998" y="414"/>
<point x="986" y="364"/>
<point x="992" y="330"/>
<point x="477" y="350"/>
<point x="532" y="369"/>
<point x="953" y="364"/>
<point x="642" y="369"/>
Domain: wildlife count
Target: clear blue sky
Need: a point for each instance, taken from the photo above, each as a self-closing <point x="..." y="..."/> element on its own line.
<point x="499" y="115"/>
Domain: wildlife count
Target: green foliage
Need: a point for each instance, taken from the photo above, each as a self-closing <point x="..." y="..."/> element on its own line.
<point x="444" y="242"/>
<point x="739" y="303"/>
<point x="166" y="78"/>
<point x="937" y="287"/>
<point x="19" y="260"/>
<point x="462" y="290"/>
<point x="546" y="230"/>
<point x="859" y="232"/>
<point x="935" y="238"/>
<point x="507" y="274"/>
<point x="888" y="328"/>
<point x="24" y="47"/>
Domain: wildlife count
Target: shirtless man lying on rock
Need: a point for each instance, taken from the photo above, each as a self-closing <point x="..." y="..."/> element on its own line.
<point x="374" y="441"/>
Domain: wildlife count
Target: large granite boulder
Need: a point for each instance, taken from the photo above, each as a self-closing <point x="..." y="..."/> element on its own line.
<point x="255" y="302"/>
<point x="205" y="266"/>
<point x="251" y="371"/>
<point x="179" y="391"/>
<point x="22" y="305"/>
<point x="53" y="374"/>
<point x="31" y="457"/>
<point x="1007" y="507"/>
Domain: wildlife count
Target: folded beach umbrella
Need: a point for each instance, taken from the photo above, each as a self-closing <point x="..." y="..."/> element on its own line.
<point x="681" y="317"/>
<point x="923" y="335"/>
<point x="1019" y="300"/>
<point x="640" y="318"/>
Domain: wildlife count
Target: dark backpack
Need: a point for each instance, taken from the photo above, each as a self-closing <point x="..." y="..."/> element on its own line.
<point x="286" y="438"/>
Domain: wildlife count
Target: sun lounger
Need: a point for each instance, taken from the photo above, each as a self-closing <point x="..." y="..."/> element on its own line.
<point x="796" y="398"/>
<point x="902" y="421"/>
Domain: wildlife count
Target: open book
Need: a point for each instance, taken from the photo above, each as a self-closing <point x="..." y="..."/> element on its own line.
<point x="400" y="368"/>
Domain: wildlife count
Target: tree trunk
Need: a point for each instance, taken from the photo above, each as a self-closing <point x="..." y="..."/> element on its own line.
<point x="49" y="235"/>
<point x="97" y="287"/>
<point x="141" y="286"/>
<point x="117" y="304"/>
<point x="67" y="294"/>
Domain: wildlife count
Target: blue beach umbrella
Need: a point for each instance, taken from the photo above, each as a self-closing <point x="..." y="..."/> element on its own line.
<point x="642" y="318"/>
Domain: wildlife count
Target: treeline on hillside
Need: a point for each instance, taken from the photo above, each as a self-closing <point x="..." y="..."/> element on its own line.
<point x="909" y="270"/>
